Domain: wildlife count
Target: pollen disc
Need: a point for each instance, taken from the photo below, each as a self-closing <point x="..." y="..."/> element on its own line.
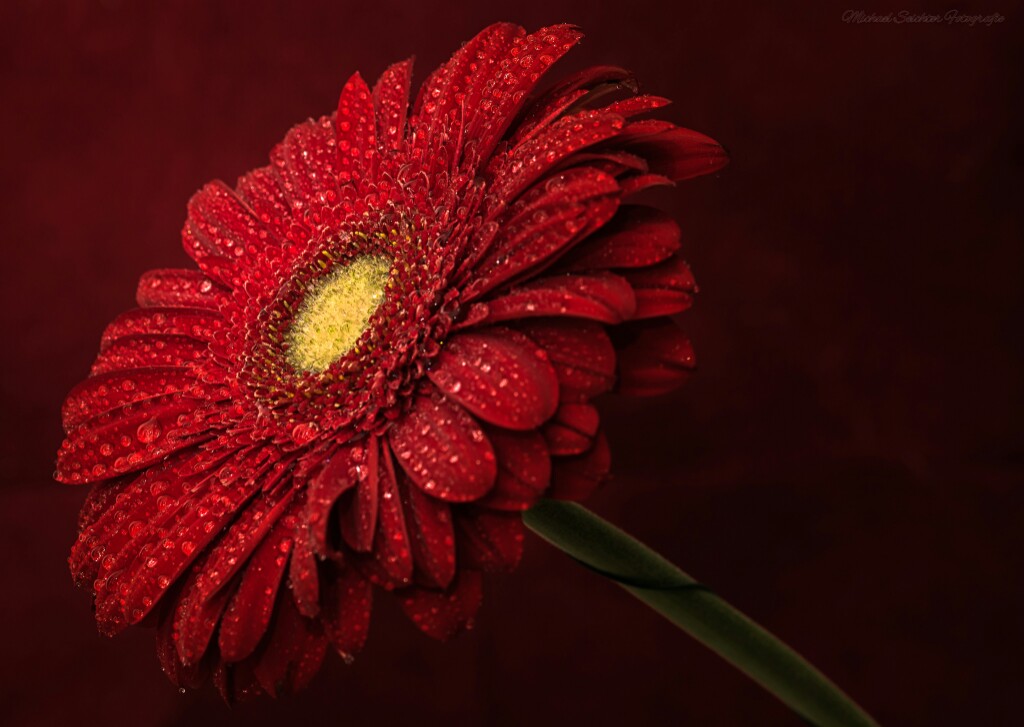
<point x="335" y="311"/>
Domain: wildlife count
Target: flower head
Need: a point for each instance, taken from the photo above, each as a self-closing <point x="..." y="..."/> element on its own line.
<point x="388" y="349"/>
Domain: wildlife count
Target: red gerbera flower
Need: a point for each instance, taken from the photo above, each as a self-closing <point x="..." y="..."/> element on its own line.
<point x="389" y="349"/>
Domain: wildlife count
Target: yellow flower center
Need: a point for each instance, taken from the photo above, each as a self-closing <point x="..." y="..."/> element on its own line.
<point x="335" y="311"/>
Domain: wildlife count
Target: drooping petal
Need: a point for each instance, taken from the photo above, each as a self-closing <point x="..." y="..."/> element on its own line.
<point x="662" y="290"/>
<point x="358" y="508"/>
<point x="335" y="477"/>
<point x="575" y="478"/>
<point x="551" y="104"/>
<point x="678" y="153"/>
<point x="295" y="648"/>
<point x="636" y="237"/>
<point x="572" y="430"/>
<point x="600" y="296"/>
<point x="443" y="450"/>
<point x="392" y="562"/>
<point x="499" y="375"/>
<point x="490" y="541"/>
<point x="581" y="353"/>
<point x="179" y="288"/>
<point x="442" y="614"/>
<point x="304" y="575"/>
<point x="431" y="537"/>
<point x="524" y="469"/>
<point x="348" y="599"/>
<point x="248" y="613"/>
<point x="548" y="221"/>
<point x="654" y="357"/>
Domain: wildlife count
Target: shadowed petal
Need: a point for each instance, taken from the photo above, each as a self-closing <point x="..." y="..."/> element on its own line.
<point x="443" y="450"/>
<point x="499" y="375"/>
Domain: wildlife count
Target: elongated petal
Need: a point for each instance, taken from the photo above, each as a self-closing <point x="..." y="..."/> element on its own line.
<point x="581" y="353"/>
<point x="576" y="478"/>
<point x="654" y="357"/>
<point x="179" y="288"/>
<point x="391" y="103"/>
<point x="662" y="290"/>
<point x="443" y="450"/>
<point x="499" y="375"/>
<point x="636" y="237"/>
<point x="348" y="598"/>
<point x="356" y="128"/>
<point x="293" y="653"/>
<point x="572" y="430"/>
<point x="149" y="351"/>
<point x="431" y="537"/>
<point x="442" y="614"/>
<point x="524" y="469"/>
<point x="603" y="297"/>
<point x="490" y="541"/>
<point x="248" y="613"/>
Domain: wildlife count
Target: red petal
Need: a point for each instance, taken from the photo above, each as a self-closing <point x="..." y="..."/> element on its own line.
<point x="499" y="375"/>
<point x="454" y="91"/>
<point x="194" y="623"/>
<point x="262" y="191"/>
<point x="197" y="324"/>
<point x="348" y="600"/>
<point x="531" y="160"/>
<point x="521" y="66"/>
<point x="391" y="551"/>
<point x="100" y="394"/>
<point x="222" y="231"/>
<point x="604" y="297"/>
<point x="357" y="137"/>
<point x="443" y="450"/>
<point x="490" y="541"/>
<point x="293" y="653"/>
<point x="442" y="614"/>
<point x="576" y="478"/>
<point x="548" y="220"/>
<point x="581" y="353"/>
<point x="636" y="105"/>
<point x="573" y="429"/>
<point x="248" y="614"/>
<point x="553" y="103"/>
<point x="391" y="101"/>
<point x="147" y="351"/>
<point x="179" y="288"/>
<point x="358" y="509"/>
<point x="679" y="153"/>
<point x="524" y="469"/>
<point x="335" y="477"/>
<point x="663" y="289"/>
<point x="636" y="237"/>
<point x="654" y="357"/>
<point x="431" y="537"/>
<point x="128" y="440"/>
<point x="303" y="575"/>
<point x="180" y="675"/>
<point x="307" y="162"/>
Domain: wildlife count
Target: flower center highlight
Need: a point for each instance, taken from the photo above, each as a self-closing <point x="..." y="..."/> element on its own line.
<point x="335" y="311"/>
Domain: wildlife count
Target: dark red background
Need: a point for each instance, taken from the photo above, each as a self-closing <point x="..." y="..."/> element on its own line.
<point x="845" y="467"/>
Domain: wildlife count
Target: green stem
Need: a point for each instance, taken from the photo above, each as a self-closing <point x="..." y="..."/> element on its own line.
<point x="695" y="609"/>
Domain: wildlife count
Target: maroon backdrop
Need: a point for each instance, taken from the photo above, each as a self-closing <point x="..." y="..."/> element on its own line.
<point x="845" y="466"/>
